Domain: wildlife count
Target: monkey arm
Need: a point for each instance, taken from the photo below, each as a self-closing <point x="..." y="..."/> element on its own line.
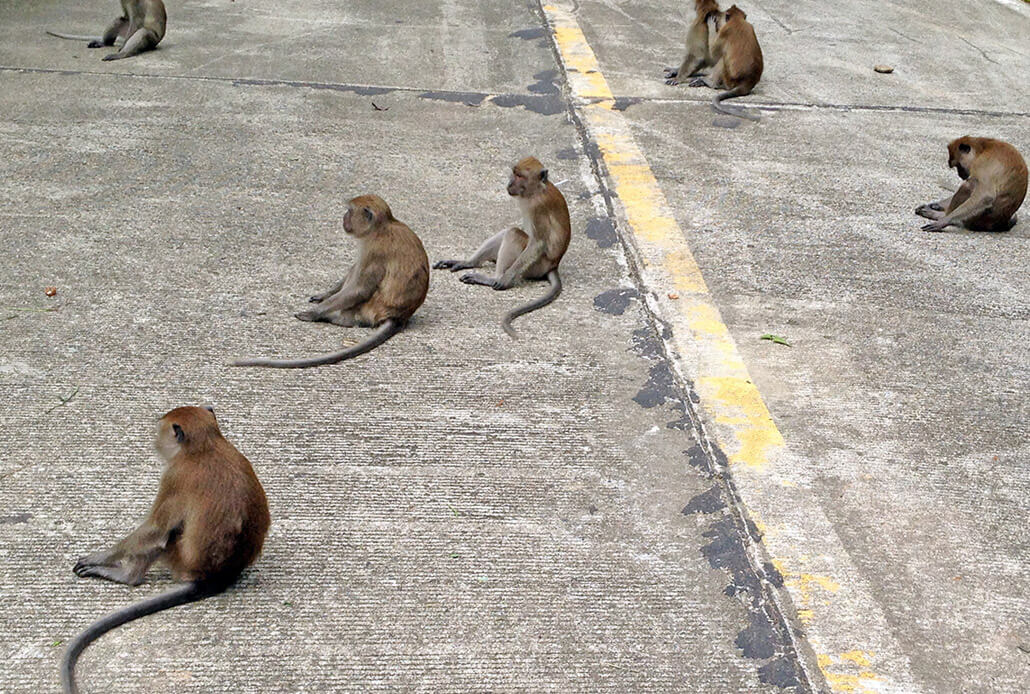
<point x="358" y="289"/>
<point x="336" y="287"/>
<point x="533" y="252"/>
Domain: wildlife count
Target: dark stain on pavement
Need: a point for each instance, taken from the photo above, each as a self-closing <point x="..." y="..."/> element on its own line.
<point x="615" y="301"/>
<point x="602" y="230"/>
<point x="528" y="34"/>
<point x="705" y="502"/>
<point x="15" y="519"/>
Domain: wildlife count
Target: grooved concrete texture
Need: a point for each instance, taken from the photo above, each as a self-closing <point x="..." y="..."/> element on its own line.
<point x="454" y="512"/>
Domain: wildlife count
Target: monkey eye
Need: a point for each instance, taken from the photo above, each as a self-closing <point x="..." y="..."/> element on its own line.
<point x="963" y="147"/>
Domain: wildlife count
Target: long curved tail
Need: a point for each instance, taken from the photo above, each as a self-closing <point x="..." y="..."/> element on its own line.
<point x="547" y="298"/>
<point x="180" y="595"/>
<point x="387" y="330"/>
<point x="738" y="112"/>
<point x="75" y="37"/>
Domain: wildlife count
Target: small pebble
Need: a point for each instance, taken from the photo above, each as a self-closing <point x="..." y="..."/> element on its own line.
<point x="884" y="69"/>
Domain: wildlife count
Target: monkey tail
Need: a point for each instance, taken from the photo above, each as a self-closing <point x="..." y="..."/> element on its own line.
<point x="740" y="90"/>
<point x="74" y="37"/>
<point x="388" y="329"/>
<point x="180" y="595"/>
<point x="547" y="298"/>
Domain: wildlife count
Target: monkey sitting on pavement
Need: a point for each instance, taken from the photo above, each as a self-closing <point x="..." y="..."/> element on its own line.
<point x="995" y="181"/>
<point x="533" y="253"/>
<point x="141" y="27"/>
<point x="208" y="523"/>
<point x="699" y="53"/>
<point x="737" y="57"/>
<point x="383" y="289"/>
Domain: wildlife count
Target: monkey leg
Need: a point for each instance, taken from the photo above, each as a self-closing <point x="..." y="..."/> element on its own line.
<point x="937" y="209"/>
<point x="142" y="40"/>
<point x="512" y="245"/>
<point x="931" y="210"/>
<point x="118" y="28"/>
<point x="486" y="253"/>
<point x="691" y="64"/>
<point x="970" y="207"/>
<point x="713" y="79"/>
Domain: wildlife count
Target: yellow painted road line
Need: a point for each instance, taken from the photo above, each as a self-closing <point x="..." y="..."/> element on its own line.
<point x="853" y="645"/>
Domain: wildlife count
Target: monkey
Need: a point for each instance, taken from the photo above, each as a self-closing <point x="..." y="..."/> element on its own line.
<point x="382" y="289"/>
<point x="530" y="254"/>
<point x="995" y="180"/>
<point x="737" y="56"/>
<point x="207" y="523"/>
<point x="699" y="54"/>
<point x="140" y="28"/>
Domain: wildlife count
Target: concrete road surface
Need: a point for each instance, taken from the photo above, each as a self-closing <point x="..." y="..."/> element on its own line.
<point x="640" y="495"/>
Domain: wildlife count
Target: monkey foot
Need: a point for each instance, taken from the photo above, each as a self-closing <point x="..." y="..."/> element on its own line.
<point x="310" y="316"/>
<point x="452" y="265"/>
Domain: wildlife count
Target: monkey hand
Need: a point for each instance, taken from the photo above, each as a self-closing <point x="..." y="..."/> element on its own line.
<point x="698" y="82"/>
<point x="672" y="81"/>
<point x="938" y="225"/>
<point x="670" y="72"/>
<point x="95" y="44"/>
<point x="112" y="56"/>
<point x="317" y="298"/>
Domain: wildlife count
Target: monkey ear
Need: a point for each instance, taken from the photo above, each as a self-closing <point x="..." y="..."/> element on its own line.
<point x="180" y="435"/>
<point x="543" y="176"/>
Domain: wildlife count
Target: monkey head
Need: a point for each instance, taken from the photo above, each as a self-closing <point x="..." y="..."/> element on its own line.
<point x="364" y="214"/>
<point x="734" y="12"/>
<point x="528" y="178"/>
<point x="961" y="153"/>
<point x="185" y="428"/>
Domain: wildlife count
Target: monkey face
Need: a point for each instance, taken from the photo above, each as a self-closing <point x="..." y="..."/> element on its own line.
<point x="165" y="441"/>
<point x="516" y="184"/>
<point x="528" y="177"/>
<point x="961" y="155"/>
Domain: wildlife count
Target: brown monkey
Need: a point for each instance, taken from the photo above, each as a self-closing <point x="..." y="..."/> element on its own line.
<point x="384" y="287"/>
<point x="141" y="27"/>
<point x="995" y="178"/>
<point x="530" y="254"/>
<point x="208" y="523"/>
<point x="737" y="57"/>
<point x="699" y="54"/>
